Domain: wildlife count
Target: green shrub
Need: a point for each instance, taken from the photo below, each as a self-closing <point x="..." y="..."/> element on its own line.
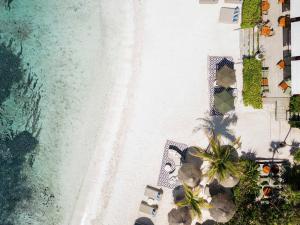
<point x="251" y="13"/>
<point x="252" y="76"/>
<point x="297" y="155"/>
<point x="295" y="103"/>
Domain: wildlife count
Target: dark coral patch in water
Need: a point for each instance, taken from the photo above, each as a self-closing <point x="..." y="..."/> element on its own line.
<point x="10" y="70"/>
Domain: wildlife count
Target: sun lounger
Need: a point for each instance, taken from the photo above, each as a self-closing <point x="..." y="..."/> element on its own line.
<point x="229" y="15"/>
<point x="233" y="1"/>
<point x="154" y="193"/>
<point x="208" y="1"/>
<point x="148" y="209"/>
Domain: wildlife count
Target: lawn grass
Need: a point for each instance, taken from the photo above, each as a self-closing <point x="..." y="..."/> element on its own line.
<point x="252" y="75"/>
<point x="251" y="13"/>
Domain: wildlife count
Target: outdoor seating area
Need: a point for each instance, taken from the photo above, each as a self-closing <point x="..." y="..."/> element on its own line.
<point x="270" y="179"/>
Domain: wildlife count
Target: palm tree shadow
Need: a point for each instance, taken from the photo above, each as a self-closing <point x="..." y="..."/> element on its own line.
<point x="218" y="125"/>
<point x="249" y="155"/>
<point x="274" y="147"/>
<point x="295" y="145"/>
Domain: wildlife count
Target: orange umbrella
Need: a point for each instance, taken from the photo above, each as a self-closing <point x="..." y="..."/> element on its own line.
<point x="281" y="1"/>
<point x="265" y="5"/>
<point x="282" y="21"/>
<point x="281" y="64"/>
<point x="265" y="30"/>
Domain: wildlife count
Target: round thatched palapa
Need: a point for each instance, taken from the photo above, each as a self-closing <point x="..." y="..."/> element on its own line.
<point x="191" y="158"/>
<point x="224" y="101"/>
<point x="229" y="182"/>
<point x="180" y="216"/>
<point x="223" y="208"/>
<point x="189" y="174"/>
<point x="225" y="76"/>
<point x="143" y="221"/>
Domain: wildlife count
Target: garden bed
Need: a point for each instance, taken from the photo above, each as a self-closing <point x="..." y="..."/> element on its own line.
<point x="252" y="75"/>
<point x="251" y="13"/>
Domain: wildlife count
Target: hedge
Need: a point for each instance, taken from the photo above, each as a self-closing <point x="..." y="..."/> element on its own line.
<point x="251" y="13"/>
<point x="252" y="76"/>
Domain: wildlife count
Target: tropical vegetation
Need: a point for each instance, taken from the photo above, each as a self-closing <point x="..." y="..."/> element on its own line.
<point x="251" y="13"/>
<point x="193" y="201"/>
<point x="223" y="159"/>
<point x="295" y="111"/>
<point x="252" y="75"/>
<point x="283" y="210"/>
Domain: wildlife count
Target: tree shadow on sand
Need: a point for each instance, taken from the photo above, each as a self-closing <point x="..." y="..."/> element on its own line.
<point x="217" y="125"/>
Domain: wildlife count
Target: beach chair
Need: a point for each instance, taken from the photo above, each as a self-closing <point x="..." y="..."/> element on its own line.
<point x="148" y="209"/>
<point x="229" y="15"/>
<point x="208" y="1"/>
<point x="153" y="193"/>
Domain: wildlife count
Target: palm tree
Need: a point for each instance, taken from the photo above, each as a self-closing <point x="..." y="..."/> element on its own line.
<point x="223" y="159"/>
<point x="193" y="202"/>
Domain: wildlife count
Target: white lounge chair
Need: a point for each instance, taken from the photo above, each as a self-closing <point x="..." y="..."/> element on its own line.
<point x="148" y="209"/>
<point x="153" y="192"/>
<point x="208" y="1"/>
<point x="229" y="15"/>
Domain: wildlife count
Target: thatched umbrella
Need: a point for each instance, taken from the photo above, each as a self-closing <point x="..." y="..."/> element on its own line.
<point x="191" y="158"/>
<point x="189" y="174"/>
<point x="225" y="76"/>
<point x="223" y="208"/>
<point x="229" y="182"/>
<point x="224" y="101"/>
<point x="180" y="216"/>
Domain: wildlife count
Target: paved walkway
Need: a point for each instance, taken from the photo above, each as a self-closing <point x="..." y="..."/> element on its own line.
<point x="274" y="50"/>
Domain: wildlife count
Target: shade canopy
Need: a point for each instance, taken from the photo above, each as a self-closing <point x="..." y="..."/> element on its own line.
<point x="223" y="208"/>
<point x="295" y="37"/>
<point x="265" y="5"/>
<point x="225" y="76"/>
<point x="189" y="174"/>
<point x="224" y="102"/>
<point x="229" y="182"/>
<point x="191" y="158"/>
<point x="295" y="8"/>
<point x="143" y="221"/>
<point x="180" y="216"/>
<point x="295" y="73"/>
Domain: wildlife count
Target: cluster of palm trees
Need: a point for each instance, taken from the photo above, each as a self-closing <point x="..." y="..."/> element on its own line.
<point x="223" y="166"/>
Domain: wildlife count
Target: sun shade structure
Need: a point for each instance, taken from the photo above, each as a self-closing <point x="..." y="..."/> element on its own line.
<point x="191" y="158"/>
<point x="295" y="71"/>
<point x="180" y="216"/>
<point x="223" y="208"/>
<point x="224" y="102"/>
<point x="229" y="182"/>
<point x="189" y="174"/>
<point x="225" y="76"/>
<point x="143" y="221"/>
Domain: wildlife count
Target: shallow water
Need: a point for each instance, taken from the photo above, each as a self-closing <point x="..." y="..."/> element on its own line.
<point x="69" y="58"/>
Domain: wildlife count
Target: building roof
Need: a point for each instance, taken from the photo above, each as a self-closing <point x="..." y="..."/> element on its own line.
<point x="295" y="8"/>
<point x="295" y="72"/>
<point x="295" y="37"/>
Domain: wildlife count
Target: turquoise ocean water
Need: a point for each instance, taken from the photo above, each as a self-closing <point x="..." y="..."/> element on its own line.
<point x="55" y="80"/>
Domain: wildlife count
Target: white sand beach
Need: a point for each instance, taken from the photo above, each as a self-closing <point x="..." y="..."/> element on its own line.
<point x="168" y="91"/>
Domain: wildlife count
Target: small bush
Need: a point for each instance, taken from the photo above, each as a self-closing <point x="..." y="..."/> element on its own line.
<point x="251" y="13"/>
<point x="295" y="103"/>
<point x="252" y="76"/>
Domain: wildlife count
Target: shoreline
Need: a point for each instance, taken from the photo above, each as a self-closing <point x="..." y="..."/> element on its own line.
<point x="100" y="177"/>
